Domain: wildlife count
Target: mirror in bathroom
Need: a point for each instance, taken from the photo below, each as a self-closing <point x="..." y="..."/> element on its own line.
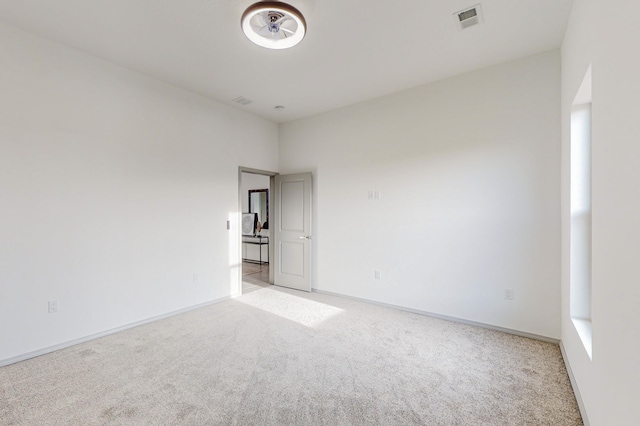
<point x="259" y="203"/>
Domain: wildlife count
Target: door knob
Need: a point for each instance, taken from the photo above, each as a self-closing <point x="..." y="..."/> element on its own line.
<point x="305" y="237"/>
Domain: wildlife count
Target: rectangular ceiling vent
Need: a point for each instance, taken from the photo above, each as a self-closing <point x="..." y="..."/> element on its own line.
<point x="242" y="100"/>
<point x="468" y="17"/>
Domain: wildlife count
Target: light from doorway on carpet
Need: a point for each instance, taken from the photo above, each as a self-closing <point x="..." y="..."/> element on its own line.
<point x="303" y="311"/>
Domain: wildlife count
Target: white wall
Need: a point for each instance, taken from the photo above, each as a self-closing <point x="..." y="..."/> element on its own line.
<point x="115" y="190"/>
<point x="605" y="35"/>
<point x="467" y="169"/>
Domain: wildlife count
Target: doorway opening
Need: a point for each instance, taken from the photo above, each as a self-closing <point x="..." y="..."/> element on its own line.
<point x="256" y="205"/>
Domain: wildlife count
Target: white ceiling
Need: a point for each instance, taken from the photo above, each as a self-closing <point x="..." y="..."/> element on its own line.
<point x="354" y="49"/>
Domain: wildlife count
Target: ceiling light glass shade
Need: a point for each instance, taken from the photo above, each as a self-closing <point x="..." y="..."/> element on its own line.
<point x="273" y="24"/>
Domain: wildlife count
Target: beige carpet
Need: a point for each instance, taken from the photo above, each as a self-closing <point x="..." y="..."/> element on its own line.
<point x="279" y="357"/>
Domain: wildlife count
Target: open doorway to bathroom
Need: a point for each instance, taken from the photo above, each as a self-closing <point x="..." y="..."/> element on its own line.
<point x="257" y="251"/>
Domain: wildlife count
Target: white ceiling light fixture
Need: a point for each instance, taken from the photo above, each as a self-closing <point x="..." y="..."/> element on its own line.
<point x="273" y="24"/>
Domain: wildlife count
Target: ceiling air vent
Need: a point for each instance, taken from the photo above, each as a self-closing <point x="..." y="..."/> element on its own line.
<point x="468" y="17"/>
<point x="242" y="100"/>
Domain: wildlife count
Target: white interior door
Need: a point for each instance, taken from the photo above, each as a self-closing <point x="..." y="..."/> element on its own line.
<point x="292" y="231"/>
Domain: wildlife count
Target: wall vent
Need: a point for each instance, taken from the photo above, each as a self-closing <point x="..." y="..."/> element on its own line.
<point x="242" y="100"/>
<point x="468" y="17"/>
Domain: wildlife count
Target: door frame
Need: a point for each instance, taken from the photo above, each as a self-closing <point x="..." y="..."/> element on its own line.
<point x="272" y="186"/>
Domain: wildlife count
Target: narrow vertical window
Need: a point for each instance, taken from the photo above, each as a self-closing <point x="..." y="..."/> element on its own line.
<point x="580" y="242"/>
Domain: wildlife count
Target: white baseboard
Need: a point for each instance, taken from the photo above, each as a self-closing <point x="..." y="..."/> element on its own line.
<point x="43" y="351"/>
<point x="574" y="385"/>
<point x="445" y="317"/>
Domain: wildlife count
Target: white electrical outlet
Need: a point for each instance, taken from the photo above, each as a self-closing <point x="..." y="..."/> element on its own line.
<point x="53" y="306"/>
<point x="376" y="195"/>
<point x="508" y="293"/>
<point x="377" y="275"/>
<point x="370" y="195"/>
